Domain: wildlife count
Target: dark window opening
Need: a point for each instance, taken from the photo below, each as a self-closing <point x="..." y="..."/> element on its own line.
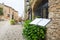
<point x="42" y="9"/>
<point x="12" y="16"/>
<point x="8" y="15"/>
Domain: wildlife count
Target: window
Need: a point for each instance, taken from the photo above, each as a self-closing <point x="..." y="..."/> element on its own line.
<point x="12" y="16"/>
<point x="42" y="10"/>
<point x="8" y="15"/>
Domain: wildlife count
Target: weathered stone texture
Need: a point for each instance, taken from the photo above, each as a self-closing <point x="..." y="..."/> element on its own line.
<point x="53" y="28"/>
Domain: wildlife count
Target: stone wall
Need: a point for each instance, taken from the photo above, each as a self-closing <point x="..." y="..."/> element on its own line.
<point x="16" y="16"/>
<point x="5" y="12"/>
<point x="53" y="28"/>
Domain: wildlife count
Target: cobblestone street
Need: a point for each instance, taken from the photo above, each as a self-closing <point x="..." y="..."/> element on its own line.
<point x="10" y="32"/>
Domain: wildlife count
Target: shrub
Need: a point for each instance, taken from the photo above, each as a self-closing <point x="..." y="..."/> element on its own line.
<point x="33" y="32"/>
<point x="12" y="21"/>
<point x="1" y="11"/>
<point x="26" y="23"/>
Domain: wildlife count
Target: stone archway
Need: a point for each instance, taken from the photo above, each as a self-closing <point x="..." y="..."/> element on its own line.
<point x="34" y="5"/>
<point x="39" y="4"/>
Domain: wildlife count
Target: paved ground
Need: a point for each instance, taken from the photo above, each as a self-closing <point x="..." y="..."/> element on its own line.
<point x="10" y="32"/>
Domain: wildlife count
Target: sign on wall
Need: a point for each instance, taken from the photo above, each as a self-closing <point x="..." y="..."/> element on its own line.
<point x="40" y="21"/>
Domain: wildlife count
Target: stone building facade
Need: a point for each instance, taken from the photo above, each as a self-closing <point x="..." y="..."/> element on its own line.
<point x="8" y="12"/>
<point x="53" y="28"/>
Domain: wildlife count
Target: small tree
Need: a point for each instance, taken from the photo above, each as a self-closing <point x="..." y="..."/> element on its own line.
<point x="1" y="11"/>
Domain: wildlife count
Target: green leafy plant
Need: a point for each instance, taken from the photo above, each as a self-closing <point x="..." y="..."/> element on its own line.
<point x="12" y="21"/>
<point x="33" y="32"/>
<point x="26" y="23"/>
<point x="1" y="11"/>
